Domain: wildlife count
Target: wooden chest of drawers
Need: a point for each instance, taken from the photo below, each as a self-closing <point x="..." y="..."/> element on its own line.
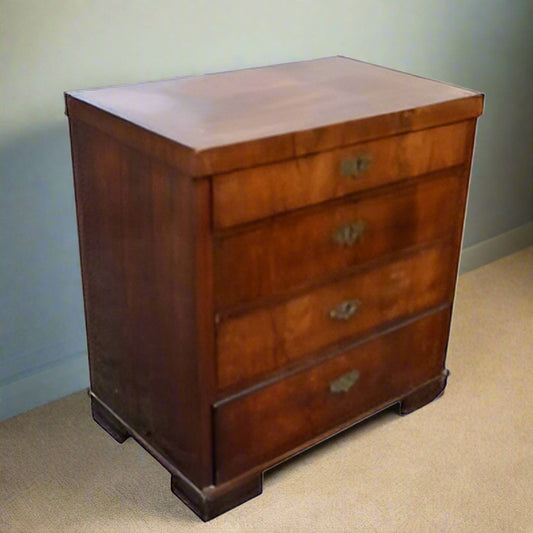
<point x="268" y="256"/>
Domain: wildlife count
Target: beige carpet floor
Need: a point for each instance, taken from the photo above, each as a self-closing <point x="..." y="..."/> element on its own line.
<point x="461" y="464"/>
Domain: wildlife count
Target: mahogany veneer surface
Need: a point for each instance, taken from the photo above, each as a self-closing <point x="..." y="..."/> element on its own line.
<point x="268" y="256"/>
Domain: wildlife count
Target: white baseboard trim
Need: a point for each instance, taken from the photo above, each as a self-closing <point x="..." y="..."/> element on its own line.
<point x="44" y="385"/>
<point x="492" y="249"/>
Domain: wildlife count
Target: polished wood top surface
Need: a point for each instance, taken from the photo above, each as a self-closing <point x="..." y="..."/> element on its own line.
<point x="216" y="110"/>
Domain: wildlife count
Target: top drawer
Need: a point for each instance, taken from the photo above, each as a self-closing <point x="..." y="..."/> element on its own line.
<point x="259" y="192"/>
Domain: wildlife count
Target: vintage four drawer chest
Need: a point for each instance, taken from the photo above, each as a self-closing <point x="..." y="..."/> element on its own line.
<point x="268" y="256"/>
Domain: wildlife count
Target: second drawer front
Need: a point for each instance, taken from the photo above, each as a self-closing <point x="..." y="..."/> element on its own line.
<point x="293" y="250"/>
<point x="260" y="428"/>
<point x="253" y="344"/>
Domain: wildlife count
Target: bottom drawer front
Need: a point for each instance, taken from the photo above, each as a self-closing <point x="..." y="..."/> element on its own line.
<point x="255" y="430"/>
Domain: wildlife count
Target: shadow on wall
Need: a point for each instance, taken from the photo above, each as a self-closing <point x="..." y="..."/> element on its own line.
<point x="42" y="330"/>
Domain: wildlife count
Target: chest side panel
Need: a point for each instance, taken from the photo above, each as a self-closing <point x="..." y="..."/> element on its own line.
<point x="138" y="230"/>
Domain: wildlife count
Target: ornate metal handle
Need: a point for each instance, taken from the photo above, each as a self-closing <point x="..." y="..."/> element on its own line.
<point x="354" y="166"/>
<point x="348" y="234"/>
<point x="344" y="383"/>
<point x="345" y="310"/>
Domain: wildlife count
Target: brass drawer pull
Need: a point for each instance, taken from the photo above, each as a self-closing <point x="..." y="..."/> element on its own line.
<point x="348" y="234"/>
<point x="345" y="310"/>
<point x="344" y="383"/>
<point x="354" y="166"/>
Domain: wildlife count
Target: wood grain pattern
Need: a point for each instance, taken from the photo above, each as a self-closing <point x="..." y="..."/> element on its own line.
<point x="253" y="344"/>
<point x="238" y="119"/>
<point x="231" y="107"/>
<point x="138" y="233"/>
<point x="295" y="250"/>
<point x="266" y="190"/>
<point x="283" y="416"/>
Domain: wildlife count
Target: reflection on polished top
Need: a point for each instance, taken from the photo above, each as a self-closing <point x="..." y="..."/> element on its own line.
<point x="221" y="109"/>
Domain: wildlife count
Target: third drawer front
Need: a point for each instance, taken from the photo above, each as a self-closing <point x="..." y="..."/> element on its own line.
<point x="251" y="345"/>
<point x="292" y="250"/>
<point x="264" y="426"/>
